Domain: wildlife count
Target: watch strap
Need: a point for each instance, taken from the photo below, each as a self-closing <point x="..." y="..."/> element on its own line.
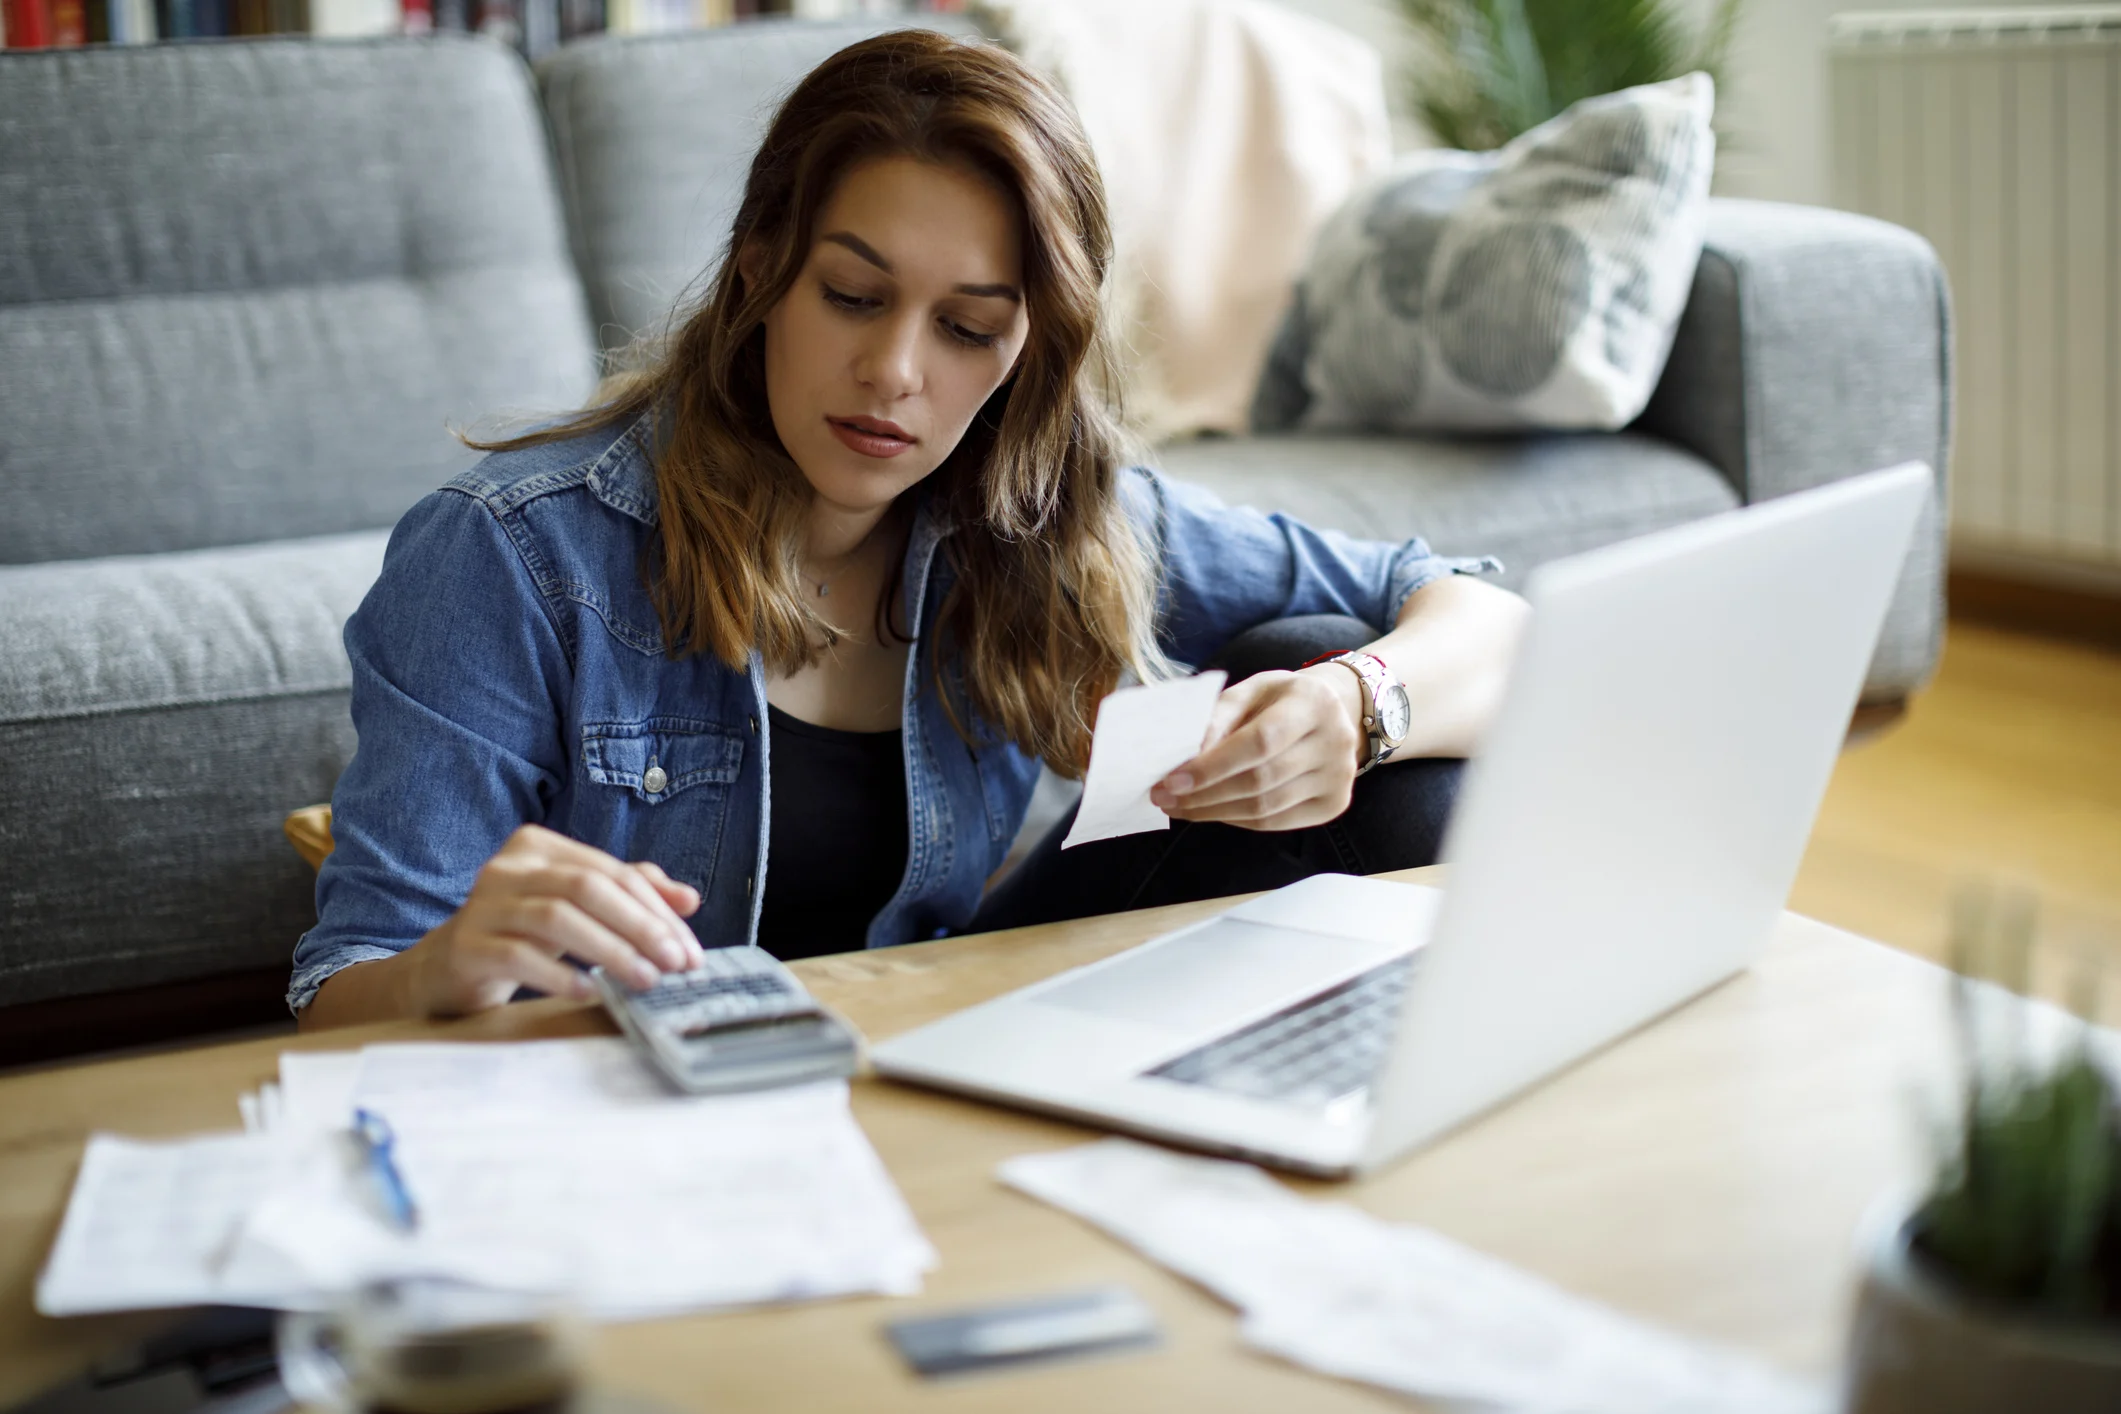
<point x="1371" y="672"/>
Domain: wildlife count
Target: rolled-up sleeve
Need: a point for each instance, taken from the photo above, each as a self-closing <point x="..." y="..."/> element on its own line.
<point x="1225" y="569"/>
<point x="459" y="680"/>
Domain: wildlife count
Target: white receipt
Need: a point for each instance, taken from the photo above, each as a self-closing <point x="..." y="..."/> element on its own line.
<point x="1143" y="734"/>
<point x="1328" y="1286"/>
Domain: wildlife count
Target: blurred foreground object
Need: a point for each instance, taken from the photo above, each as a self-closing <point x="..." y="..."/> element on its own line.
<point x="435" y="1345"/>
<point x="2002" y="1289"/>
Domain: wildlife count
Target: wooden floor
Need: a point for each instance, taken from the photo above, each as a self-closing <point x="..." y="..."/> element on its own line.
<point x="2007" y="767"/>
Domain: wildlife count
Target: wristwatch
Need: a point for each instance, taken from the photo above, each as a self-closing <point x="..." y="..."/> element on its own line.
<point x="1387" y="711"/>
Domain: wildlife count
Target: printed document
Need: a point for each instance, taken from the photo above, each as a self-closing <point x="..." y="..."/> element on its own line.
<point x="1328" y="1286"/>
<point x="153" y="1223"/>
<point x="321" y="1089"/>
<point x="536" y="1165"/>
<point x="640" y="1210"/>
<point x="1143" y="734"/>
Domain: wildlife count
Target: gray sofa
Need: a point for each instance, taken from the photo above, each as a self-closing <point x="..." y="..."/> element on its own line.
<point x="246" y="287"/>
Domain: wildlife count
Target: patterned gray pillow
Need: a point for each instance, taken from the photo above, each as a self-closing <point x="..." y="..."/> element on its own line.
<point x="1535" y="286"/>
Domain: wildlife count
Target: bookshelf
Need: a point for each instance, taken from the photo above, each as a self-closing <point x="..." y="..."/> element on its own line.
<point x="536" y="27"/>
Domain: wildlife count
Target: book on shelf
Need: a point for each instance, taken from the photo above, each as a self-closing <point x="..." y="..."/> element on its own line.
<point x="347" y="18"/>
<point x="536" y="27"/>
<point x="29" y="24"/>
<point x="120" y="21"/>
<point x="667" y="16"/>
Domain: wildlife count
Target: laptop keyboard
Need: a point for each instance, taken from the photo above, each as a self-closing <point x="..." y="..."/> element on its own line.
<point x="1310" y="1054"/>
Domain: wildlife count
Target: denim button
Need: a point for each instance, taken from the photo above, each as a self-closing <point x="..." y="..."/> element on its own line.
<point x="654" y="780"/>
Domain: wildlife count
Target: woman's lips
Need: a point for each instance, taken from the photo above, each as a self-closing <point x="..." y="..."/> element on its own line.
<point x="864" y="437"/>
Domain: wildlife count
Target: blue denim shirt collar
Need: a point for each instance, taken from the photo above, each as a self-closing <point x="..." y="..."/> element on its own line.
<point x="623" y="478"/>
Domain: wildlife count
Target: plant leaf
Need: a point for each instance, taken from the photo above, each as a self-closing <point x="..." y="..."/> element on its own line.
<point x="1494" y="68"/>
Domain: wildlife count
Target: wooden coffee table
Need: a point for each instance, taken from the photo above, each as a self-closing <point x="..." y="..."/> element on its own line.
<point x="1707" y="1173"/>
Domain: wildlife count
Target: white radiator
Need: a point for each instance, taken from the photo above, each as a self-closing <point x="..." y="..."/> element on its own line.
<point x="1997" y="135"/>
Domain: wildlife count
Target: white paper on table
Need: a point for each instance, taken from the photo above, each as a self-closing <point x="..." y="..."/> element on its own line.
<point x="1143" y="734"/>
<point x="321" y="1089"/>
<point x="152" y="1224"/>
<point x="315" y="1090"/>
<point x="534" y="1165"/>
<point x="1329" y="1286"/>
<point x="638" y="1210"/>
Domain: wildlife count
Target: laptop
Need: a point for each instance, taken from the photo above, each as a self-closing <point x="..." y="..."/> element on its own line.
<point x="1623" y="842"/>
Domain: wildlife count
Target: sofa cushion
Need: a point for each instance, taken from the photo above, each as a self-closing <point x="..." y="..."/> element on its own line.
<point x="1535" y="286"/>
<point x="1522" y="499"/>
<point x="159" y="716"/>
<point x="654" y="137"/>
<point x="245" y="287"/>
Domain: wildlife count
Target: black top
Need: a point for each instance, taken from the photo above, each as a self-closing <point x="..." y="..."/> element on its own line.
<point x="837" y="847"/>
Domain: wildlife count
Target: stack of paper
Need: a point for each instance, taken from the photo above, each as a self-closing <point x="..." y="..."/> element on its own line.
<point x="1331" y="1287"/>
<point x="541" y="1165"/>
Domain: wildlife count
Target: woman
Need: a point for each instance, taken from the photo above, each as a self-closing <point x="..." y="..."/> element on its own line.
<point x="771" y="645"/>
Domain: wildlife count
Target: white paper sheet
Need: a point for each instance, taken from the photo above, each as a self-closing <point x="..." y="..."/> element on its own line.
<point x="544" y="1076"/>
<point x="320" y="1089"/>
<point x="1143" y="734"/>
<point x="1330" y="1287"/>
<point x="315" y="1090"/>
<point x="152" y="1223"/>
<point x="639" y="1210"/>
<point x="537" y="1164"/>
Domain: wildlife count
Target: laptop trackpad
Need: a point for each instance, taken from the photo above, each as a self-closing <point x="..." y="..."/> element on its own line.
<point x="1218" y="973"/>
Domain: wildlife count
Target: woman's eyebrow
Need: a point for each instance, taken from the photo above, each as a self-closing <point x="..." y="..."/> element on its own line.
<point x="869" y="253"/>
<point x="860" y="247"/>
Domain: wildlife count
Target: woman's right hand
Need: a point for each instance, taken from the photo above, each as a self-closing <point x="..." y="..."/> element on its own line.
<point x="544" y="898"/>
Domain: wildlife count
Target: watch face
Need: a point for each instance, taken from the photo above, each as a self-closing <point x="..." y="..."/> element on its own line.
<point x="1394" y="712"/>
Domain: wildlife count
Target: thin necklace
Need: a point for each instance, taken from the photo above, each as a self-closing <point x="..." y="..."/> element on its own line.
<point x="824" y="586"/>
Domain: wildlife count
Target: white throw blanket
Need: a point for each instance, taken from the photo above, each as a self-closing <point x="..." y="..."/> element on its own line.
<point x="1227" y="131"/>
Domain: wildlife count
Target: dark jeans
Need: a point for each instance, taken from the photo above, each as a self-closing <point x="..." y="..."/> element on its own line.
<point x="1395" y="821"/>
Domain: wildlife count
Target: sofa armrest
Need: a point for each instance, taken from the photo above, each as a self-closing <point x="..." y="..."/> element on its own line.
<point x="1817" y="345"/>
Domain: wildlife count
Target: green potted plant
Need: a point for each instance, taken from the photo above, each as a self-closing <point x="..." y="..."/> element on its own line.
<point x="1486" y="70"/>
<point x="2000" y="1287"/>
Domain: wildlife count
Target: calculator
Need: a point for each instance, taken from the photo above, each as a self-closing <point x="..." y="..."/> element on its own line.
<point x="738" y="1021"/>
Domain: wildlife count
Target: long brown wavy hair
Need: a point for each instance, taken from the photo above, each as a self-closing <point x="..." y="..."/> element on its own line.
<point x="1054" y="595"/>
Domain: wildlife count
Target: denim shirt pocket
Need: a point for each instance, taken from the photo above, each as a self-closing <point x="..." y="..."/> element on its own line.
<point x="660" y="759"/>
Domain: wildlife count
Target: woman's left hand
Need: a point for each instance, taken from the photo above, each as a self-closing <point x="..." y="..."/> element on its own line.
<point x="1281" y="753"/>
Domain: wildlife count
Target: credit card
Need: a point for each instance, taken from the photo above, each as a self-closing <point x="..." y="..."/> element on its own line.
<point x="1101" y="1319"/>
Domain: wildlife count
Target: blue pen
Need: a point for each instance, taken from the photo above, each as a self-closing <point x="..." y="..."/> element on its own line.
<point x="377" y="1143"/>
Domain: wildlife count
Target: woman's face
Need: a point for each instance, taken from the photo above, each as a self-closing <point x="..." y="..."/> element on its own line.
<point x="906" y="316"/>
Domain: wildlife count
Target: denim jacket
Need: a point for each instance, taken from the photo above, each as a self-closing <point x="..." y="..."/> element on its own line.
<point x="509" y="666"/>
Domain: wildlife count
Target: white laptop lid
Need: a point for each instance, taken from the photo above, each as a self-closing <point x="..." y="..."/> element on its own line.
<point x="1631" y="828"/>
